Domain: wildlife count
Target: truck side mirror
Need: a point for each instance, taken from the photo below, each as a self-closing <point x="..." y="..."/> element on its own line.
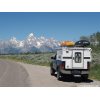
<point x="53" y="58"/>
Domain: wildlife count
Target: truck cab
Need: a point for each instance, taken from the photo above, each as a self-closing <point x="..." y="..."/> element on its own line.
<point x="71" y="61"/>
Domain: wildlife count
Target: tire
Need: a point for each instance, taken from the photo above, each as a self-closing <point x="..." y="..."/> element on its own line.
<point x="52" y="71"/>
<point x="85" y="76"/>
<point x="58" y="74"/>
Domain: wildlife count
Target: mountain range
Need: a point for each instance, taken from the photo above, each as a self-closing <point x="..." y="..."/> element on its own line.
<point x="31" y="44"/>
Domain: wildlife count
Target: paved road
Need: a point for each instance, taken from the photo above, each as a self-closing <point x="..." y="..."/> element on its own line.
<point x="13" y="74"/>
<point x="24" y="75"/>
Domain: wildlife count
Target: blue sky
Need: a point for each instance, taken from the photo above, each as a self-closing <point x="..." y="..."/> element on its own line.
<point x="61" y="26"/>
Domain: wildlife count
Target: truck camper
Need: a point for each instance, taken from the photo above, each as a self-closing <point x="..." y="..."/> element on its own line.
<point x="72" y="59"/>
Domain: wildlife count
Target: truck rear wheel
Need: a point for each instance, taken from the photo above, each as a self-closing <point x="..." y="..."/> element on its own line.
<point x="85" y="76"/>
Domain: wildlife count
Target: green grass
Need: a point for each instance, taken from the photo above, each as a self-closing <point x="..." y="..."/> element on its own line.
<point x="95" y="72"/>
<point x="37" y="59"/>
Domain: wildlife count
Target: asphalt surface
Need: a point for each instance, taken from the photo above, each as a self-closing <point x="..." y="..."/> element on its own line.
<point x="13" y="74"/>
<point x="16" y="74"/>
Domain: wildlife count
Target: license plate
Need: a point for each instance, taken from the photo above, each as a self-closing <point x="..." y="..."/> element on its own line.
<point x="76" y="72"/>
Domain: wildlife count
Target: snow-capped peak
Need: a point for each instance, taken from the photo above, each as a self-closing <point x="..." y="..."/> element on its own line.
<point x="13" y="40"/>
<point x="16" y="43"/>
<point x="41" y="41"/>
<point x="27" y="45"/>
<point x="31" y="35"/>
<point x="42" y="37"/>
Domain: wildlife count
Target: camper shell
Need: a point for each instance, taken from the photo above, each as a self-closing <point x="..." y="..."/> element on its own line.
<point x="71" y="61"/>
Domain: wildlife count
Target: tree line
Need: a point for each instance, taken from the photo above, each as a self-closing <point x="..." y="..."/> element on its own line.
<point x="93" y="38"/>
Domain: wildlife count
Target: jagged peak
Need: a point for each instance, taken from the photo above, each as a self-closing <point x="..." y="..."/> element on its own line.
<point x="30" y="42"/>
<point x="13" y="39"/>
<point x="31" y="35"/>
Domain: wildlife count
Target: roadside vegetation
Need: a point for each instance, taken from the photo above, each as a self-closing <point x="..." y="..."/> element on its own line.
<point x="95" y="72"/>
<point x="95" y="66"/>
<point x="37" y="59"/>
<point x="95" y="45"/>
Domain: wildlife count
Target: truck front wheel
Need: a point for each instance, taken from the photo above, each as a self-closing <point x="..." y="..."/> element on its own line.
<point x="58" y="74"/>
<point x="52" y="71"/>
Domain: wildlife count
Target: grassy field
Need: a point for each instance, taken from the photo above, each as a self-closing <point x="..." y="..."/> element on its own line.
<point x="37" y="59"/>
<point x="44" y="60"/>
<point x="95" y="72"/>
<point x="95" y="66"/>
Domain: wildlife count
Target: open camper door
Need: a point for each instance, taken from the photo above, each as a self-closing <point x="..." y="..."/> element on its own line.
<point x="77" y="61"/>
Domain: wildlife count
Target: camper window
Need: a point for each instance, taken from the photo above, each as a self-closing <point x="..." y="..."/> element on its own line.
<point x="77" y="57"/>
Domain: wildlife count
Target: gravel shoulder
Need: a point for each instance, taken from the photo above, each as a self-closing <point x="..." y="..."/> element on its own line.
<point x="40" y="77"/>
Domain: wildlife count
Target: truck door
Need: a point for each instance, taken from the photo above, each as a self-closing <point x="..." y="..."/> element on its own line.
<point x="77" y="61"/>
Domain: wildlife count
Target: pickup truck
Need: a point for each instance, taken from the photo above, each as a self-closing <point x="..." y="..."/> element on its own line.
<point x="71" y="61"/>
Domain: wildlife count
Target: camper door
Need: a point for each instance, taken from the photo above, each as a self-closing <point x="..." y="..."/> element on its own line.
<point x="77" y="61"/>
